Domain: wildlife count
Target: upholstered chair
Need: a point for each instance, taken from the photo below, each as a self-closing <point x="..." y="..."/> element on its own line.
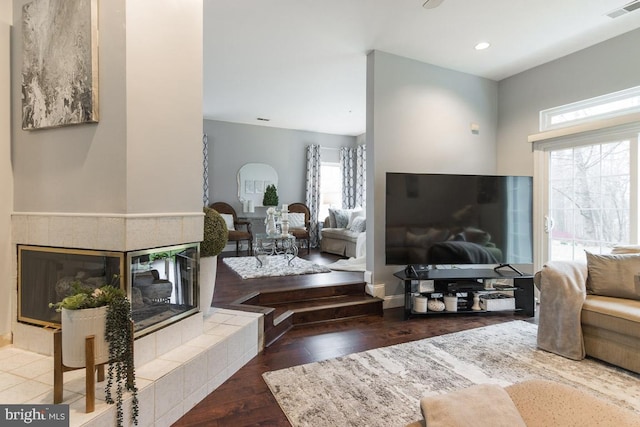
<point x="300" y="229"/>
<point x="235" y="226"/>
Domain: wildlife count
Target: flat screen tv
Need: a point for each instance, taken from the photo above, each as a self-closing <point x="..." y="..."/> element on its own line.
<point x="445" y="219"/>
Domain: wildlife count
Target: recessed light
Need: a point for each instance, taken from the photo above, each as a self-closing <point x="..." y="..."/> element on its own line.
<point x="482" y="45"/>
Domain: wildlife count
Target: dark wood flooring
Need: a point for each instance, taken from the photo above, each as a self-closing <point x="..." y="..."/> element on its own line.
<point x="245" y="400"/>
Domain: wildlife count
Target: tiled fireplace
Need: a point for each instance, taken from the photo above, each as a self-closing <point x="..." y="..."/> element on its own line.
<point x="161" y="283"/>
<point x="177" y="364"/>
<point x="153" y="257"/>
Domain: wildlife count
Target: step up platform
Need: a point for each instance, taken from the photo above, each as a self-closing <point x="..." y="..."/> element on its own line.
<point x="286" y="308"/>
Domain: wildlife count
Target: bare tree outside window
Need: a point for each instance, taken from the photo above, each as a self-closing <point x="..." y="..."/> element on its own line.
<point x="589" y="204"/>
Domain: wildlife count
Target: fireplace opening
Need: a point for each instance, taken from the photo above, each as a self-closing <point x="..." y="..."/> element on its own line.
<point x="162" y="283"/>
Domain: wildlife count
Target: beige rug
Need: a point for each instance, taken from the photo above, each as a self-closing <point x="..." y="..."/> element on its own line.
<point x="382" y="387"/>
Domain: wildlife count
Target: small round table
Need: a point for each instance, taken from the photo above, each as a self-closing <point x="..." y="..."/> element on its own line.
<point x="275" y="244"/>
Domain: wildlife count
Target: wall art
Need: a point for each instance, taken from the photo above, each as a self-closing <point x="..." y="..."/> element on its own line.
<point x="60" y="63"/>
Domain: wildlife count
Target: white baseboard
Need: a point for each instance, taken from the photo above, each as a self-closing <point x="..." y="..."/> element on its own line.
<point x="393" y="301"/>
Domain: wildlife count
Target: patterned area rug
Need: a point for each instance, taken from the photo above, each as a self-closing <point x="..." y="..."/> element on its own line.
<point x="382" y="387"/>
<point x="275" y="265"/>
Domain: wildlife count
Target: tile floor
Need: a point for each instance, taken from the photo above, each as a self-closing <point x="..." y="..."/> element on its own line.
<point x="175" y="369"/>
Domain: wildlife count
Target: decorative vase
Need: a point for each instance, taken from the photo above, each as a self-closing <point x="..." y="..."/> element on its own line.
<point x="451" y="303"/>
<point x="207" y="282"/>
<point x="476" y="303"/>
<point x="76" y="326"/>
<point x="435" y="305"/>
<point x="285" y="227"/>
<point x="271" y="224"/>
<point x="420" y="304"/>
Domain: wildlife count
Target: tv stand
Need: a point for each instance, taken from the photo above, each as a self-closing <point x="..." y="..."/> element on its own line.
<point x="468" y="282"/>
<point x="510" y="267"/>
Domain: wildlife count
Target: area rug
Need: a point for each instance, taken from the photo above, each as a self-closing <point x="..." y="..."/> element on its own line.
<point x="274" y="265"/>
<point x="382" y="387"/>
<point x="351" y="264"/>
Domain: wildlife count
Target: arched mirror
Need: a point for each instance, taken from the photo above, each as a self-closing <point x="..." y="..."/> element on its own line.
<point x="253" y="178"/>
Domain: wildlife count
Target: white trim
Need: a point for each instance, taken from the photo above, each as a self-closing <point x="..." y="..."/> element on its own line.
<point x="628" y="122"/>
<point x="393" y="301"/>
<point x="603" y="102"/>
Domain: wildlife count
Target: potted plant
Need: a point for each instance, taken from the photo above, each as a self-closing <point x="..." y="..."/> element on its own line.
<point x="215" y="239"/>
<point x="104" y="312"/>
<point x="270" y="196"/>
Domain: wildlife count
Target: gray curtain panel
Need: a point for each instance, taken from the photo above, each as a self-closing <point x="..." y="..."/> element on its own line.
<point x="313" y="191"/>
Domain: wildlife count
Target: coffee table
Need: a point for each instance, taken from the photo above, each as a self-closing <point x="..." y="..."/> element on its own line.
<point x="275" y="244"/>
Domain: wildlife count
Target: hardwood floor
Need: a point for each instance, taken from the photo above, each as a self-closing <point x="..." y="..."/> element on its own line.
<point x="245" y="400"/>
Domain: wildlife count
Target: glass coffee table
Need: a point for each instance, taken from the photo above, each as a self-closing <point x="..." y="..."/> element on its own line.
<point x="275" y="244"/>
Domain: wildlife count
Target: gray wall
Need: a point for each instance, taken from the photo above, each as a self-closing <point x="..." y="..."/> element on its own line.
<point x="144" y="155"/>
<point x="232" y="145"/>
<point x="607" y="67"/>
<point x="7" y="273"/>
<point x="418" y="120"/>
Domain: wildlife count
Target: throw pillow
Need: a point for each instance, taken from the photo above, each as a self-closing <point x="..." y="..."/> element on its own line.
<point x="353" y="214"/>
<point x="296" y="220"/>
<point x="341" y="217"/>
<point x="358" y="225"/>
<point x="616" y="275"/>
<point x="228" y="219"/>
<point x="332" y="218"/>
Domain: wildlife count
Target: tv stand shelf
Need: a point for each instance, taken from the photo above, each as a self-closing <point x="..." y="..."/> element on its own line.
<point x="467" y="281"/>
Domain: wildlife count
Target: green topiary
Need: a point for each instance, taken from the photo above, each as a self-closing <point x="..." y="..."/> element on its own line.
<point x="270" y="196"/>
<point x="216" y="233"/>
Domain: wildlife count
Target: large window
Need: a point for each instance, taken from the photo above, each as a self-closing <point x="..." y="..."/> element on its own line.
<point x="589" y="203"/>
<point x="588" y="173"/>
<point x="330" y="188"/>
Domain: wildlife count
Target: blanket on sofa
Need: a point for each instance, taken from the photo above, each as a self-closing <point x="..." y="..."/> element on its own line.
<point x="562" y="293"/>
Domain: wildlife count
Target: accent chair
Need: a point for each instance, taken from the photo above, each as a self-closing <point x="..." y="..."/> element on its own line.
<point x="301" y="233"/>
<point x="237" y="234"/>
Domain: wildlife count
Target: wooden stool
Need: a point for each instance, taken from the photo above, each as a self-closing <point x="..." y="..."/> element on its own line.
<point x="91" y="367"/>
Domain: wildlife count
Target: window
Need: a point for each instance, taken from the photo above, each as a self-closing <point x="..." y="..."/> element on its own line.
<point x="588" y="195"/>
<point x="601" y="107"/>
<point x="589" y="203"/>
<point x="330" y="188"/>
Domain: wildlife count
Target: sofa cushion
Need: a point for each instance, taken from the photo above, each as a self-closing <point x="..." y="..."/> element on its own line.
<point x="615" y="314"/>
<point x="478" y="405"/>
<point x="615" y="275"/>
<point x="543" y="403"/>
<point x="340" y="234"/>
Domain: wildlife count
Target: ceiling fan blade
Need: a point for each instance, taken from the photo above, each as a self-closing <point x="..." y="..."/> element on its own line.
<point x="432" y="4"/>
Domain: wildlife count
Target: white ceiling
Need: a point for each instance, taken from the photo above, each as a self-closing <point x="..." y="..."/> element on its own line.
<point x="302" y="63"/>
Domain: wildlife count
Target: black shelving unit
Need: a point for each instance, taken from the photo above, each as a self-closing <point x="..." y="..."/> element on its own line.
<point x="468" y="280"/>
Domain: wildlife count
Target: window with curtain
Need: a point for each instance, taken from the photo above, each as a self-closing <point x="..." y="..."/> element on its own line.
<point x="330" y="188"/>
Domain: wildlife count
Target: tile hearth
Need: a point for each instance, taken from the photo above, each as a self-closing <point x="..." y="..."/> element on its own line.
<point x="187" y="367"/>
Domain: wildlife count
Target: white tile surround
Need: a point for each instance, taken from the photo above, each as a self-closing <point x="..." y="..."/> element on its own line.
<point x="111" y="232"/>
<point x="176" y="367"/>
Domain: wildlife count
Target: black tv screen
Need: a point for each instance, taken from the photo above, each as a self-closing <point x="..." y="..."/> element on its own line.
<point x="444" y="219"/>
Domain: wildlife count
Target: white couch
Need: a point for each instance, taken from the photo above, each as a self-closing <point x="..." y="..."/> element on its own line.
<point x="339" y="238"/>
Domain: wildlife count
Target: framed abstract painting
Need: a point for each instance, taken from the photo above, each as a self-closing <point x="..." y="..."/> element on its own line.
<point x="60" y="63"/>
